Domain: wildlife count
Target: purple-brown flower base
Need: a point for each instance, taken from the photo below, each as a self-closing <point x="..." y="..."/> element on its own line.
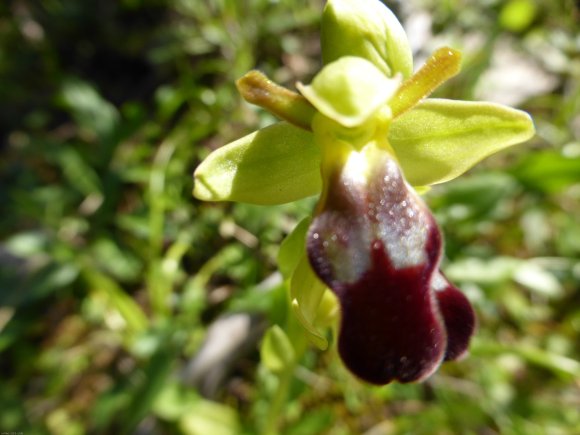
<point x="390" y="326"/>
<point x="377" y="246"/>
<point x="458" y="316"/>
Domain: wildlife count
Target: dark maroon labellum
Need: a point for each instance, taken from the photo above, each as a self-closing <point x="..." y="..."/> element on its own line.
<point x="458" y="316"/>
<point x="377" y="246"/>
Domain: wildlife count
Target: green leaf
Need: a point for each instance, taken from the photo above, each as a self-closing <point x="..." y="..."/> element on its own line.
<point x="277" y="353"/>
<point x="292" y="248"/>
<point x="306" y="292"/>
<point x="275" y="165"/>
<point x="79" y="173"/>
<point x="120" y="263"/>
<point x="518" y="15"/>
<point x="175" y="400"/>
<point x="493" y="272"/>
<point x="155" y="376"/>
<point x="208" y="417"/>
<point x="367" y="29"/>
<point x="532" y="275"/>
<point x="349" y="90"/>
<point x="479" y="197"/>
<point x="90" y="110"/>
<point x="548" y="171"/>
<point x="563" y="366"/>
<point x="441" y="139"/>
<point x="135" y="319"/>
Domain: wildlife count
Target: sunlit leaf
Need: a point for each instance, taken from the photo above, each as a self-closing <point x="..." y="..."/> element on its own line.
<point x="90" y="110"/>
<point x="127" y="308"/>
<point x="517" y="15"/>
<point x="492" y="272"/>
<point x="538" y="279"/>
<point x="548" y="171"/>
<point x="208" y="417"/>
<point x="175" y="400"/>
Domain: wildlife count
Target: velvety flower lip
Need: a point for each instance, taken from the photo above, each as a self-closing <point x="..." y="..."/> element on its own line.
<point x="377" y="246"/>
<point x="458" y="315"/>
<point x="390" y="326"/>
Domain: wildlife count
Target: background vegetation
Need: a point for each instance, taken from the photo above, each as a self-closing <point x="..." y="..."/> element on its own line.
<point x="116" y="285"/>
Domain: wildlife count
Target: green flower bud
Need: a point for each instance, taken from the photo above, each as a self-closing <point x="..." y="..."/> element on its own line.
<point x="366" y="29"/>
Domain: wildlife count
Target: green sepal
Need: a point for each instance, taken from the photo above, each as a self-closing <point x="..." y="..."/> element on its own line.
<point x="292" y="248"/>
<point x="439" y="140"/>
<point x="274" y="165"/>
<point x="367" y="29"/>
<point x="328" y="310"/>
<point x="312" y="304"/>
<point x="306" y="292"/>
<point x="349" y="90"/>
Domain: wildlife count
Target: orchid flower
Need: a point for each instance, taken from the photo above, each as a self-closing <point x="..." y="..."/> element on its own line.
<point x="364" y="137"/>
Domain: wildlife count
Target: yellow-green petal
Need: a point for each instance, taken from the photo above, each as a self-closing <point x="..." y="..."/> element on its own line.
<point x="441" y="139"/>
<point x="443" y="64"/>
<point x="274" y="165"/>
<point x="367" y="29"/>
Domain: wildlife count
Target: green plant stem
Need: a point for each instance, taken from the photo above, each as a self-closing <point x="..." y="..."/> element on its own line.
<point x="275" y="409"/>
<point x="298" y="338"/>
<point x="158" y="287"/>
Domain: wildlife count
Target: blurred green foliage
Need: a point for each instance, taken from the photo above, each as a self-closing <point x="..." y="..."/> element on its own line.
<point x="112" y="276"/>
